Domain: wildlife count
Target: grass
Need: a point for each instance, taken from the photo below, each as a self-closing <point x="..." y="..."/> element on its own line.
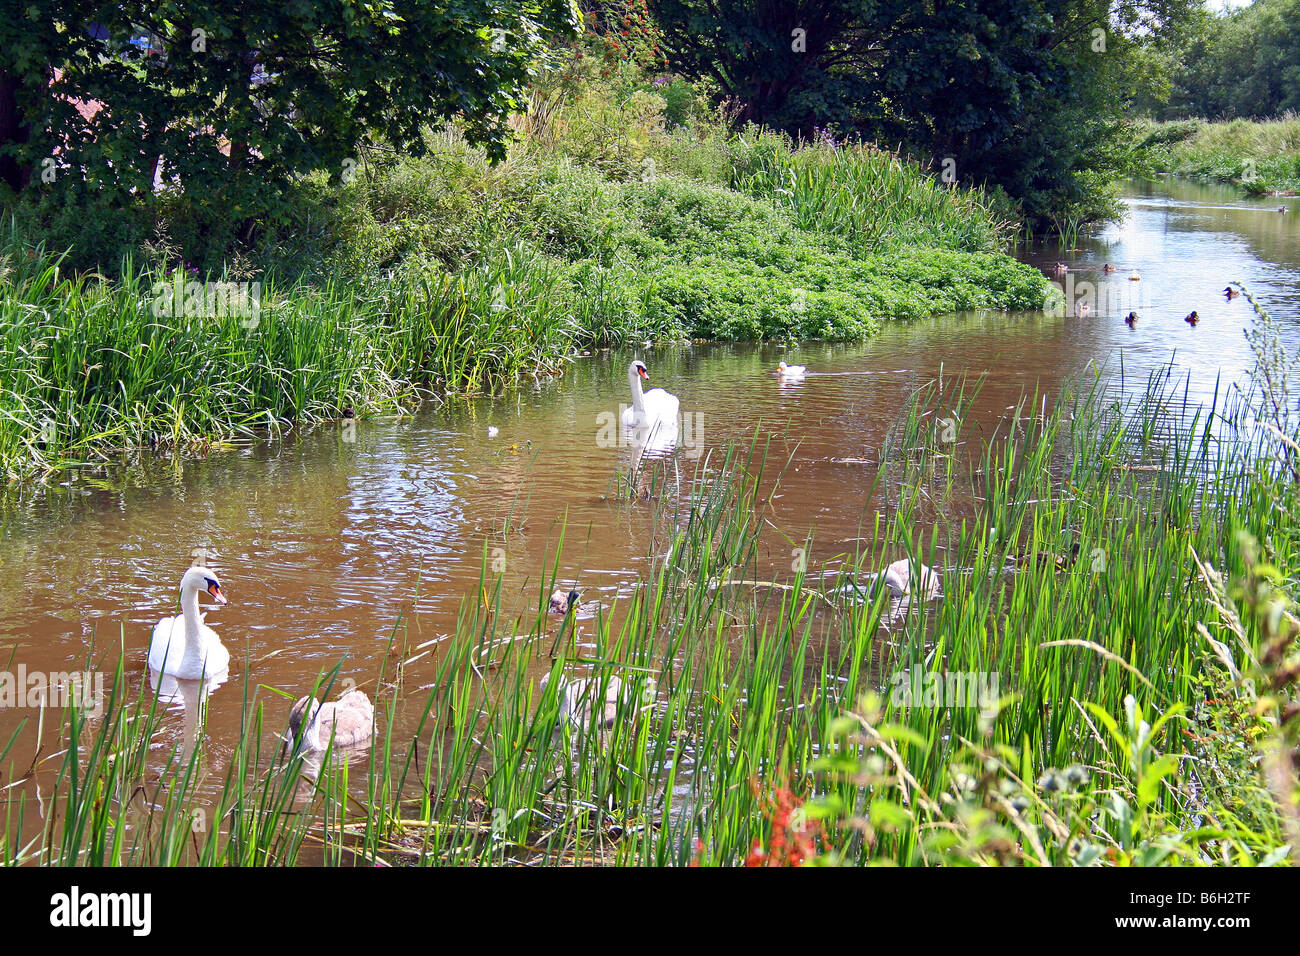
<point x="1124" y="733"/>
<point x="91" y="365"/>
<point x="1260" y="157"/>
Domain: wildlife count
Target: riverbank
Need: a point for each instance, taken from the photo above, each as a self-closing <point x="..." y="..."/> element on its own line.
<point x="441" y="275"/>
<point x="1262" y="158"/>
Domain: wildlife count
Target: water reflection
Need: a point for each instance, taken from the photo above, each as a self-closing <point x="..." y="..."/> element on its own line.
<point x="192" y="697"/>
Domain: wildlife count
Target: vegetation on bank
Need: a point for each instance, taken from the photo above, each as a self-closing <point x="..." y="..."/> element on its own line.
<point x="1260" y="157"/>
<point x="1143" y="709"/>
<point x="447" y="274"/>
<point x="1234" y="61"/>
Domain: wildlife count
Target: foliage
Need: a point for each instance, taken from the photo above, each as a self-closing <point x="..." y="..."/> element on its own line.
<point x="1243" y="62"/>
<point x="235" y="100"/>
<point x="1261" y="158"/>
<point x="966" y="82"/>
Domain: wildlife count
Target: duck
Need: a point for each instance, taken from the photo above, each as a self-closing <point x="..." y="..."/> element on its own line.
<point x="184" y="646"/>
<point x="1231" y="293"/>
<point x="791" y="371"/>
<point x="1060" y="269"/>
<point x="1108" y="269"/>
<point x="346" y="722"/>
<point x="1081" y="310"/>
<point x="1049" y="559"/>
<point x="1192" y="319"/>
<point x="655" y="410"/>
<point x="1131" y="320"/>
<point x="562" y="600"/>
<point x="1133" y="276"/>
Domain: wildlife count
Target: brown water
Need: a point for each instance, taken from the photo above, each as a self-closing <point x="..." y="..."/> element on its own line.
<point x="328" y="542"/>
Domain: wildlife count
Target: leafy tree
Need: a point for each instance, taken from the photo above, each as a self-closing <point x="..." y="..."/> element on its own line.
<point x="1025" y="94"/>
<point x="236" y="98"/>
<point x="1241" y="63"/>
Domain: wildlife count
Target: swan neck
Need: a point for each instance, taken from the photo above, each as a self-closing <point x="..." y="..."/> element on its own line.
<point x="638" y="397"/>
<point x="190" y="609"/>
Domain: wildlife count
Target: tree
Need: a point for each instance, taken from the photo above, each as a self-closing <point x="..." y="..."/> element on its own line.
<point x="239" y="97"/>
<point x="1241" y="63"/>
<point x="1025" y="94"/>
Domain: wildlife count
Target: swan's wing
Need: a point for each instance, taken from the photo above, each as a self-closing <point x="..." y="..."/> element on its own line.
<point x="168" y="639"/>
<point x="898" y="576"/>
<point x="354" y="718"/>
<point x="661" y="404"/>
<point x="216" y="656"/>
<point x="930" y="586"/>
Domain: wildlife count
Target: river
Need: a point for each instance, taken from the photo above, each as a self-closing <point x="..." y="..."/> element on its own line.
<point x="330" y="543"/>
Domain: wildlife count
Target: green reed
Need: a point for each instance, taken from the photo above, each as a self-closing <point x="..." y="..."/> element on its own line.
<point x="92" y="366"/>
<point x="741" y="686"/>
<point x="872" y="197"/>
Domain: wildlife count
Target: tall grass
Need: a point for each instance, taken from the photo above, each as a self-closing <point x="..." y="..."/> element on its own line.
<point x="90" y="364"/>
<point x="869" y="196"/>
<point x="1259" y="156"/>
<point x="1098" y="750"/>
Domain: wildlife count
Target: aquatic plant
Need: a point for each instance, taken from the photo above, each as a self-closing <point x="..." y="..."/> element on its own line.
<point x="1091" y="741"/>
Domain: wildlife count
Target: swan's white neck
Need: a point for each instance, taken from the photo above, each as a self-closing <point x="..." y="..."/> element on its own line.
<point x="638" y="397"/>
<point x="190" y="609"/>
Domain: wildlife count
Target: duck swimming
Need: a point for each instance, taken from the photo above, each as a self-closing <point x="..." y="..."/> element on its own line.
<point x="1192" y="319"/>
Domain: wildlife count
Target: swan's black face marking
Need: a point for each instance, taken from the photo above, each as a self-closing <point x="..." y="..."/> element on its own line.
<point x="640" y="370"/>
<point x="214" y="589"/>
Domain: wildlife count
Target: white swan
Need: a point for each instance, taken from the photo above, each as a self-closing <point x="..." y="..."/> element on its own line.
<point x="183" y="646"/>
<point x="654" y="411"/>
<point x="898" y="578"/>
<point x="904" y="587"/>
<point x="791" y="371"/>
<point x="347" y="722"/>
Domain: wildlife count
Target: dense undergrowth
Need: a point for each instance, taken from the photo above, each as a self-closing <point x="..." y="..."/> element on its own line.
<point x="1262" y="157"/>
<point x="607" y="225"/>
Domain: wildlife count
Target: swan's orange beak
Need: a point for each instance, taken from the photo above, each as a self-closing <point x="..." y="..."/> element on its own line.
<point x="215" y="591"/>
<point x="643" y="373"/>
